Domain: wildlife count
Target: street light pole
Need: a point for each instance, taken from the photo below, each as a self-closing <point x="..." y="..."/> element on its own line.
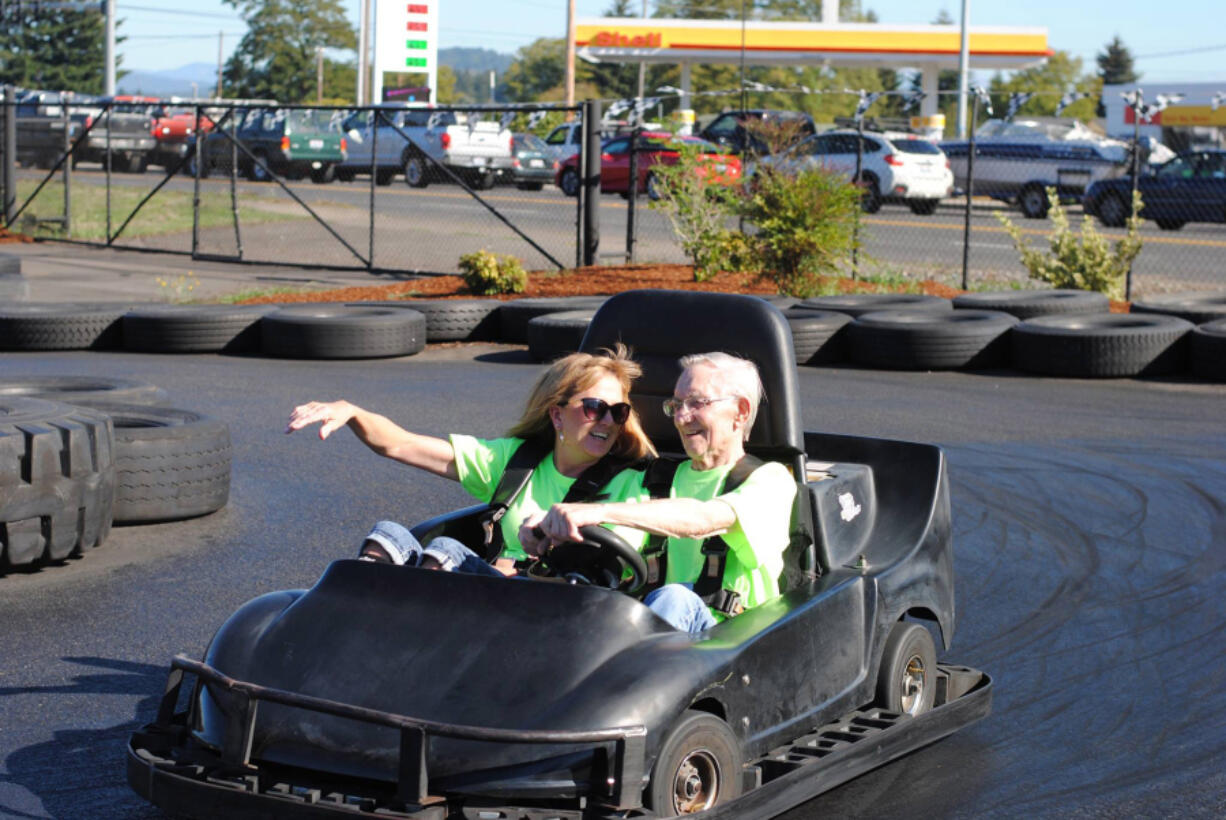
<point x="964" y="64"/>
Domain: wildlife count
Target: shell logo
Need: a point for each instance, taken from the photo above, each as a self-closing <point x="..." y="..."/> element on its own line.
<point x="616" y="39"/>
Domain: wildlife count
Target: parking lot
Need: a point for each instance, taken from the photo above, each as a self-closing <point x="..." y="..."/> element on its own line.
<point x="1088" y="520"/>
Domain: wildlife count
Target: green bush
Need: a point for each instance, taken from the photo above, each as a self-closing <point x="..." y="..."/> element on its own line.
<point x="698" y="209"/>
<point x="488" y="273"/>
<point x="1084" y="262"/>
<point x="804" y="227"/>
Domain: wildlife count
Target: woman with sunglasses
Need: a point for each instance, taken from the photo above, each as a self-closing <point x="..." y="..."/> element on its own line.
<point x="577" y="415"/>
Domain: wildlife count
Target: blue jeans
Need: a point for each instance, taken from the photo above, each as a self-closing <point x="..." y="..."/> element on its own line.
<point x="404" y="548"/>
<point x="681" y="607"/>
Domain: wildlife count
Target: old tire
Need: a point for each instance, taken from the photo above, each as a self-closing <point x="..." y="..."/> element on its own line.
<point x="1026" y="304"/>
<point x="342" y="332"/>
<point x="855" y="304"/>
<point x="554" y="335"/>
<point x="1196" y="307"/>
<point x="169" y="464"/>
<point x="416" y="172"/>
<point x="1208" y="350"/>
<point x="1101" y="346"/>
<point x="907" y="677"/>
<point x="451" y="320"/>
<point x="61" y="326"/>
<point x="259" y="171"/>
<point x="569" y="182"/>
<point x="1032" y="200"/>
<point x="818" y="336"/>
<point x="194" y="328"/>
<point x="923" y="340"/>
<point x="57" y="480"/>
<point x="76" y="389"/>
<point x="513" y="316"/>
<point x="699" y="767"/>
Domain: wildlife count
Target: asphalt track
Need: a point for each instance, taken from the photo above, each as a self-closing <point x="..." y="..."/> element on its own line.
<point x="1089" y="533"/>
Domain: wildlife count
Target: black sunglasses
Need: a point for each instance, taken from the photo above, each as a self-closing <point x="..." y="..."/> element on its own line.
<point x="594" y="410"/>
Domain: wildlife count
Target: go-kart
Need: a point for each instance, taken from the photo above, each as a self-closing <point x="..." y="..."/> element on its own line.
<point x="402" y="692"/>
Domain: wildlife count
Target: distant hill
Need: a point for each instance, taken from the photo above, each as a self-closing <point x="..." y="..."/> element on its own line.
<point x="171" y="82"/>
<point x="474" y="59"/>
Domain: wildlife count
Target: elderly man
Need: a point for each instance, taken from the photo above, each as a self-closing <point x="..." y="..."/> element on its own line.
<point x="727" y="515"/>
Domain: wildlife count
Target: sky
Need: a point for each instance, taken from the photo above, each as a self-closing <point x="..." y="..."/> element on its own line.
<point x="1182" y="40"/>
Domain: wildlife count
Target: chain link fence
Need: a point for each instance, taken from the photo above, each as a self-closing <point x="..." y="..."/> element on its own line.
<point x="400" y="189"/>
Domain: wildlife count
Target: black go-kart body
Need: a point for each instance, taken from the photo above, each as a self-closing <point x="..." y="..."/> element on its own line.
<point x="421" y="694"/>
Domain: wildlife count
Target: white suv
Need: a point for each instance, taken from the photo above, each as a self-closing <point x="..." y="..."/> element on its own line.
<point x="895" y="168"/>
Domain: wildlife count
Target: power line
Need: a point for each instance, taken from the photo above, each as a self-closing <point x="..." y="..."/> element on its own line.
<point x="1181" y="52"/>
<point x="231" y="17"/>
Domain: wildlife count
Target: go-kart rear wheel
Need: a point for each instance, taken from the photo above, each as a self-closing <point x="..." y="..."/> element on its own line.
<point x="907" y="681"/>
<point x="699" y="767"/>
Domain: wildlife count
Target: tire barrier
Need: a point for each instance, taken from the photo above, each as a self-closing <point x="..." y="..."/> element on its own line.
<point x="57" y="480"/>
<point x="1110" y="345"/>
<point x="80" y="389"/>
<point x="452" y="320"/>
<point x="194" y="328"/>
<point x="931" y="340"/>
<point x="781" y="302"/>
<point x="61" y="326"/>
<point x="855" y="304"/>
<point x="513" y="316"/>
<point x="1197" y="308"/>
<point x="1027" y="304"/>
<point x="170" y="464"/>
<point x="554" y="335"/>
<point x="1208" y="350"/>
<point x="342" y="332"/>
<point x="818" y="336"/>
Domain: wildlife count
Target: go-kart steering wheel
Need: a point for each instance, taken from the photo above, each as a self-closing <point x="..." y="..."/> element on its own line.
<point x="600" y="559"/>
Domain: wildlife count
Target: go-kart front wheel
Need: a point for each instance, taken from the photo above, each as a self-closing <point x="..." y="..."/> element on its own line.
<point x="907" y="681"/>
<point x="699" y="767"/>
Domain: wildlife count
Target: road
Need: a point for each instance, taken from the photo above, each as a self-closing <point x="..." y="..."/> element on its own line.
<point x="413" y="227"/>
<point x="1088" y="522"/>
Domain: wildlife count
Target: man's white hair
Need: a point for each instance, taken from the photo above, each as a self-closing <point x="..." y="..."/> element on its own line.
<point x="736" y="377"/>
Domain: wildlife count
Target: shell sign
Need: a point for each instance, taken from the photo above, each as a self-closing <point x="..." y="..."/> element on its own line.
<point x="614" y="39"/>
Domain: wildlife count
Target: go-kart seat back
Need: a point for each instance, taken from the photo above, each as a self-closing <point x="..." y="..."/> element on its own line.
<point x="661" y="326"/>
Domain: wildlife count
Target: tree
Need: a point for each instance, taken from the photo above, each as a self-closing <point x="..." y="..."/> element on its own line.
<point x="1049" y="82"/>
<point x="1115" y="64"/>
<point x="54" y="49"/>
<point x="276" y="57"/>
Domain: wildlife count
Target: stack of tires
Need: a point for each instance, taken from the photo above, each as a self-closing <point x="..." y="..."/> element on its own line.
<point x="80" y="453"/>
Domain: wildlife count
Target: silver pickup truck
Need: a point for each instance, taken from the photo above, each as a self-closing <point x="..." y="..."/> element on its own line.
<point x="40" y="131"/>
<point x="475" y="149"/>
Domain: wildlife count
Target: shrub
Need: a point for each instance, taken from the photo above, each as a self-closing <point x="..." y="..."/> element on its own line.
<point x="488" y="273"/>
<point x="1082" y="262"/>
<point x="698" y="209"/>
<point x="804" y="227"/>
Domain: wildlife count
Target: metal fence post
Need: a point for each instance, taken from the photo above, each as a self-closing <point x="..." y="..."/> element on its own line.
<point x="855" y="235"/>
<point x="591" y="180"/>
<point x="970" y="192"/>
<point x="376" y="119"/>
<point x="110" y="161"/>
<point x="631" y="223"/>
<point x="67" y="173"/>
<point x="10" y="155"/>
<point x="199" y="149"/>
<point x="1136" y="173"/>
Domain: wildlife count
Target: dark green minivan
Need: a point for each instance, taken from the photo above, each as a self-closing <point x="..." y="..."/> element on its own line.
<point x="292" y="143"/>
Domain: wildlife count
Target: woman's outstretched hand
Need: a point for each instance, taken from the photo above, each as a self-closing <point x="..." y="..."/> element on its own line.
<point x="330" y="415"/>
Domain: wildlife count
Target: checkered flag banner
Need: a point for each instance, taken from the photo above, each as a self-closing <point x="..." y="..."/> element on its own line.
<point x="1068" y="99"/>
<point x="616" y="109"/>
<point x="982" y="96"/>
<point x="754" y="85"/>
<point x="866" y="102"/>
<point x="474" y="117"/>
<point x="641" y="106"/>
<point x="1216" y="102"/>
<point x="1135" y="99"/>
<point x="432" y="120"/>
<point x="911" y="101"/>
<point x="507" y="118"/>
<point x="534" y="119"/>
<point x="1016" y="101"/>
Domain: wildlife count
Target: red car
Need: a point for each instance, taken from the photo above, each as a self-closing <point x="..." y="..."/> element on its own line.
<point x="654" y="148"/>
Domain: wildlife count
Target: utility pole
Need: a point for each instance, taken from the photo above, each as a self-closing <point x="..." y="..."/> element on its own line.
<point x="491" y="85"/>
<point x="363" y="24"/>
<point x="220" y="38"/>
<point x="642" y="65"/>
<point x="964" y="64"/>
<point x="109" y="86"/>
<point x="319" y="75"/>
<point x="570" y="52"/>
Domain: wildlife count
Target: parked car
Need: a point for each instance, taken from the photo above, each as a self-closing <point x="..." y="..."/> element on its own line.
<point x="894" y="168"/>
<point x="289" y="142"/>
<point x="40" y="130"/>
<point x="1189" y="188"/>
<point x="1017" y="161"/>
<point x="566" y="139"/>
<point x="400" y="692"/>
<point x="728" y="129"/>
<point x="533" y="163"/>
<point x="654" y="148"/>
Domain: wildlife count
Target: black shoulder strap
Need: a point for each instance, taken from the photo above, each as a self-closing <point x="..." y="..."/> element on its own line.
<point x="514" y="478"/>
<point x="710" y="583"/>
<point x="658" y="481"/>
<point x="591" y="481"/>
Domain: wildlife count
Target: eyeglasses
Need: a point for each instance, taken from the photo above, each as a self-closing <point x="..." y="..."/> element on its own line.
<point x="594" y="410"/>
<point x="692" y="404"/>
